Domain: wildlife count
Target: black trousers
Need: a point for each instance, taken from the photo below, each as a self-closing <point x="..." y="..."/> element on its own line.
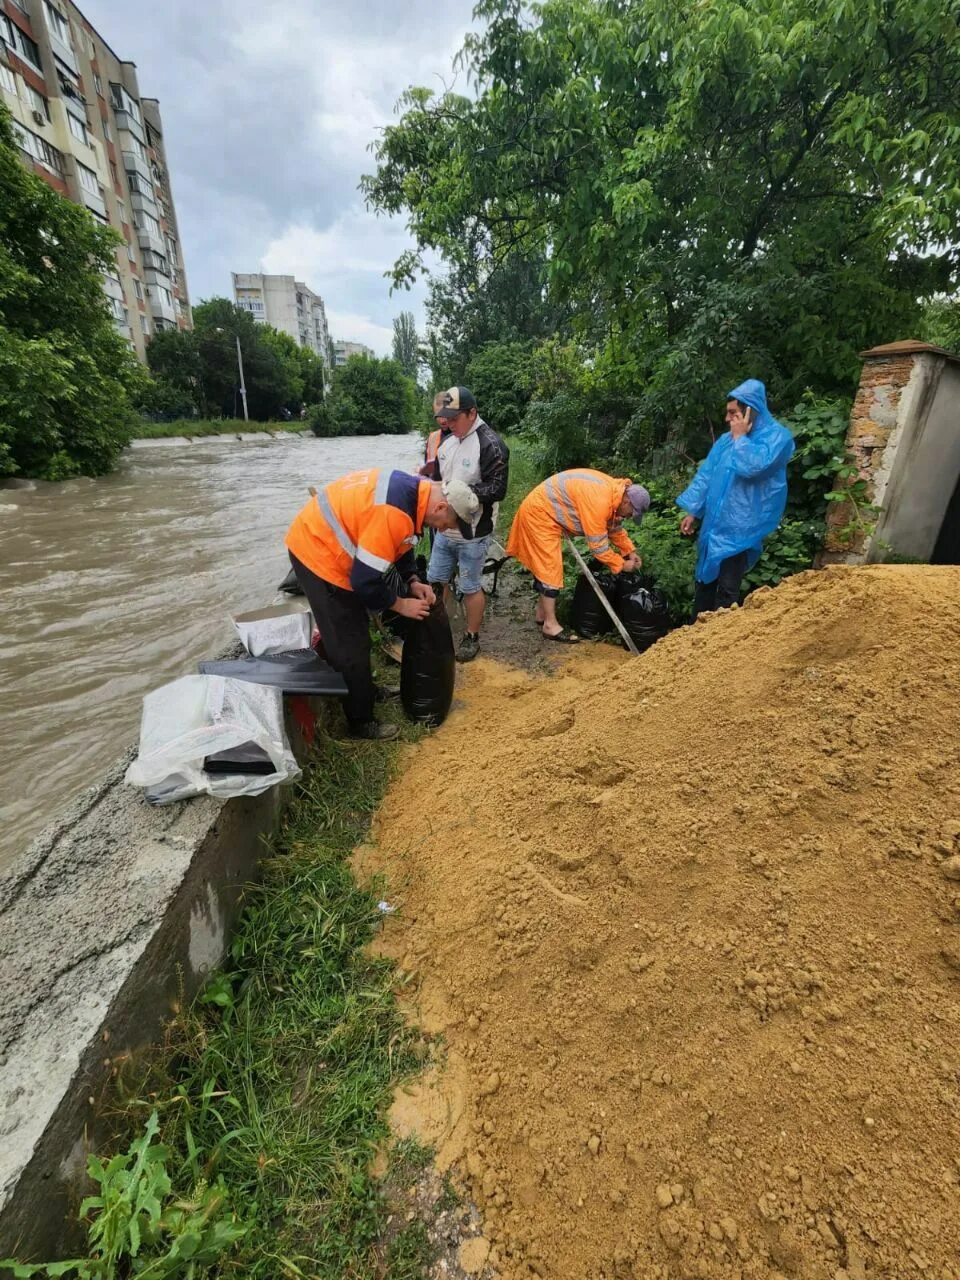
<point x="725" y="591"/>
<point x="345" y="631"/>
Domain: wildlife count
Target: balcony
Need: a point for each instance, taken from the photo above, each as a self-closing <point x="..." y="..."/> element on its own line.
<point x="94" y="202"/>
<point x="128" y="123"/>
<point x="133" y="164"/>
<point x="160" y="308"/>
<point x="149" y="241"/>
<point x="154" y="275"/>
<point x="146" y="204"/>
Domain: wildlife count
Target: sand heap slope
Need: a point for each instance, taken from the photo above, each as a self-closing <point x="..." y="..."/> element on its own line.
<point x="689" y="926"/>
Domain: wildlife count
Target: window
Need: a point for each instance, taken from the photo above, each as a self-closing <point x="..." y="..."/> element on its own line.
<point x="131" y="252"/>
<point x="147" y="222"/>
<point x="122" y="211"/>
<point x="78" y="129"/>
<point x="35" y="101"/>
<point x="88" y="179"/>
<point x="123" y="102"/>
<point x="107" y="131"/>
<point x="39" y="149"/>
<point x="155" y="262"/>
<point x="140" y="185"/>
<point x="20" y="43"/>
<point x="98" y="85"/>
<point x="114" y="174"/>
<point x="138" y="289"/>
<point x="8" y="81"/>
<point x="57" y="22"/>
<point x="7" y="30"/>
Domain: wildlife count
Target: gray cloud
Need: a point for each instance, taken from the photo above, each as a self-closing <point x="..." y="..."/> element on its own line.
<point x="268" y="112"/>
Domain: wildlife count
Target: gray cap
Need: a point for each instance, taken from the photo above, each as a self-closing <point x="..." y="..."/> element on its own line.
<point x="462" y="498"/>
<point x="639" y="500"/>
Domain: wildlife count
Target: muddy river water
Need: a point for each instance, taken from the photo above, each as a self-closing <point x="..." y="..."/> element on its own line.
<point x="111" y="587"/>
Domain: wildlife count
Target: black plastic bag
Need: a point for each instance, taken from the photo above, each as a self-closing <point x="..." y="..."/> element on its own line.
<point x="428" y="669"/>
<point x="291" y="584"/>
<point x="589" y="618"/>
<point x="642" y="608"/>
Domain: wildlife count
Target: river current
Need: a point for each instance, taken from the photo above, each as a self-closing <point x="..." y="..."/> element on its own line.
<point x="111" y="587"/>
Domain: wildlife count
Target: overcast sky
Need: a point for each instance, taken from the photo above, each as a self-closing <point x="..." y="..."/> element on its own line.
<point x="268" y="110"/>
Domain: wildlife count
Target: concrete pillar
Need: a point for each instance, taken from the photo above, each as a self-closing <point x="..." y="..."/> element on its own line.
<point x="904" y="439"/>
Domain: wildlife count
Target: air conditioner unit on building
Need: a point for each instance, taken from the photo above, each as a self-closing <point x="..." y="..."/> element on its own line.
<point x="39" y="117"/>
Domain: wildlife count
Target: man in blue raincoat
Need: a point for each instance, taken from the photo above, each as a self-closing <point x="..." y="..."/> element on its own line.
<point x="738" y="495"/>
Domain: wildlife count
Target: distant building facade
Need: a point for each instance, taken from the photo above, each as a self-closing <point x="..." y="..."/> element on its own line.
<point x="288" y="305"/>
<point x="342" y="351"/>
<point x="83" y="128"/>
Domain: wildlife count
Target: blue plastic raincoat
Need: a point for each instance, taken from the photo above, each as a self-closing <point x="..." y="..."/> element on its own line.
<point x="740" y="489"/>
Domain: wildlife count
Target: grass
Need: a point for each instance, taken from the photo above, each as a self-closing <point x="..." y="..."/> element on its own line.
<point x="210" y="427"/>
<point x="279" y="1078"/>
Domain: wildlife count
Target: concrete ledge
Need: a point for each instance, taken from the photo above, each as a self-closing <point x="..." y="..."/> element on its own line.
<point x="115" y="913"/>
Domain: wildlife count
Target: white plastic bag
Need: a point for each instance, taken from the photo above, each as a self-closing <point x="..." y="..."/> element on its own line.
<point x="275" y="630"/>
<point x="200" y="716"/>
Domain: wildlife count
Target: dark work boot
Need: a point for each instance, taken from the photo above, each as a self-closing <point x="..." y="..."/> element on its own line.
<point x="374" y="730"/>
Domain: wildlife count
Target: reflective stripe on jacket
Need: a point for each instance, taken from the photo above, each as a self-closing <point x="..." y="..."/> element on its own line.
<point x="585" y="503"/>
<point x="356" y="528"/>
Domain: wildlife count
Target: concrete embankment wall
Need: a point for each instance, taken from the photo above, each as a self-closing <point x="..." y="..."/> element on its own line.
<point x="115" y="914"/>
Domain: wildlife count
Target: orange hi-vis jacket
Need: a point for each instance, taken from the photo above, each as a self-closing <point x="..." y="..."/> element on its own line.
<point x="431" y="467"/>
<point x="357" y="528"/>
<point x="582" y="503"/>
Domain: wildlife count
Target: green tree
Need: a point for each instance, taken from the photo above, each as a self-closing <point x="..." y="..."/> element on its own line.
<point x="67" y="378"/>
<point x="716" y="190"/>
<point x="175" y="389"/>
<point x="501" y="376"/>
<point x="406" y="344"/>
<point x="372" y="397"/>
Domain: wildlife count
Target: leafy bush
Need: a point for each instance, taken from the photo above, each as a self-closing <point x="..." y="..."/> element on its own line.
<point x="372" y="397"/>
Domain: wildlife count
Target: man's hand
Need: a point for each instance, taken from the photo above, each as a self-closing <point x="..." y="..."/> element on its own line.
<point x="687" y="526"/>
<point x="631" y="562"/>
<point x="421" y="591"/>
<point x="411" y="606"/>
<point x="740" y="424"/>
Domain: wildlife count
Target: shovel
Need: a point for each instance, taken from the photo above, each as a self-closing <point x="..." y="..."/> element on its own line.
<point x="625" y="635"/>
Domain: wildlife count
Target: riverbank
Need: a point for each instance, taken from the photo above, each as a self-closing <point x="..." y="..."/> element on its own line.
<point x="295" y="1049"/>
<point x="199" y="428"/>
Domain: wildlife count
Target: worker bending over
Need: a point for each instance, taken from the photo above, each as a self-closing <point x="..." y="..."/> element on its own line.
<point x="351" y="547"/>
<point x="583" y="503"/>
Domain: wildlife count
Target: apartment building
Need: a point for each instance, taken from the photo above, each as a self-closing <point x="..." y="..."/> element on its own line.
<point x="83" y="127"/>
<point x="342" y="351"/>
<point x="288" y="305"/>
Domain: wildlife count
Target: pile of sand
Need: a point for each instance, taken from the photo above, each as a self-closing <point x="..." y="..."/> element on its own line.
<point x="689" y="925"/>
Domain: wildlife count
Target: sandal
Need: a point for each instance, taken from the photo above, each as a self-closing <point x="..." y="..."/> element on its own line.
<point x="562" y="637"/>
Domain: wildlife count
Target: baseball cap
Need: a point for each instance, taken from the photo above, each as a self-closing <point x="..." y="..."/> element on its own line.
<point x="462" y="498"/>
<point x="639" y="500"/>
<point x="451" y="403"/>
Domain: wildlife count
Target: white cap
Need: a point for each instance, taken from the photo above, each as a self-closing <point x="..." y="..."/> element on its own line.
<point x="462" y="498"/>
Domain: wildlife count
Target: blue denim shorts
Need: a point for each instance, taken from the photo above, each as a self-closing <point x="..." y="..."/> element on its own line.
<point x="449" y="554"/>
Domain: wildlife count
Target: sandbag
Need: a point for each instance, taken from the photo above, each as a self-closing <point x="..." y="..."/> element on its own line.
<point x="195" y="718"/>
<point x="642" y="608"/>
<point x="589" y="618"/>
<point x="428" y="668"/>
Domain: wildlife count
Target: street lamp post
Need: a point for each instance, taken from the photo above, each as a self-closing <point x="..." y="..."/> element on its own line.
<point x="243" y="385"/>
